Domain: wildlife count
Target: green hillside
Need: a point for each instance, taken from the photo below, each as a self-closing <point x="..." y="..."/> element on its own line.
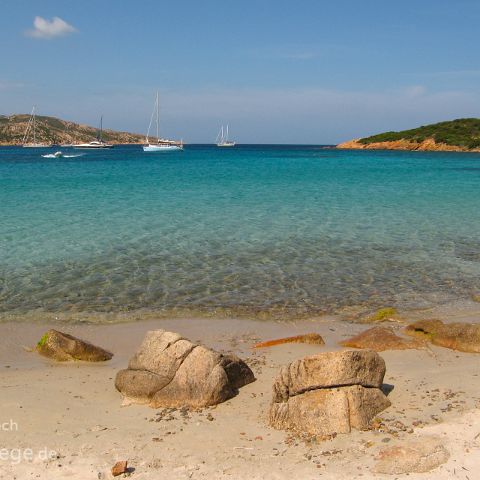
<point x="464" y="132"/>
<point x="52" y="130"/>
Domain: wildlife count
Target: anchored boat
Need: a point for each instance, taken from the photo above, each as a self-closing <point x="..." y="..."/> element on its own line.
<point x="31" y="128"/>
<point x="98" y="143"/>
<point x="222" y="138"/>
<point x="162" y="144"/>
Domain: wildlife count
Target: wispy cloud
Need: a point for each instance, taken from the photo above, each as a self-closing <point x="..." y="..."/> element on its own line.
<point x="7" y="85"/>
<point x="448" y="73"/>
<point x="298" y="55"/>
<point x="47" y="29"/>
<point x="291" y="52"/>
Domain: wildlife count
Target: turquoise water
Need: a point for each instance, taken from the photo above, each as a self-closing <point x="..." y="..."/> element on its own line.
<point x="253" y="228"/>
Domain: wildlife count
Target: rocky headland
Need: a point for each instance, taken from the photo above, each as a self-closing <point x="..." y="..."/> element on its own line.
<point x="462" y="135"/>
<point x="52" y="130"/>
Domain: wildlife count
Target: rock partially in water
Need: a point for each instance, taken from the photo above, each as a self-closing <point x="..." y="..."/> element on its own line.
<point x="381" y="315"/>
<point x="308" y="338"/>
<point x="170" y="371"/>
<point x="414" y="456"/>
<point x="380" y="339"/>
<point x="464" y="337"/>
<point x="329" y="393"/>
<point x="63" y="347"/>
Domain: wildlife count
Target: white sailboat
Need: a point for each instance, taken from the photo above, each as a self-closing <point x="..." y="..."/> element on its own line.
<point x="222" y="138"/>
<point x="98" y="143"/>
<point x="31" y="127"/>
<point x="162" y="144"/>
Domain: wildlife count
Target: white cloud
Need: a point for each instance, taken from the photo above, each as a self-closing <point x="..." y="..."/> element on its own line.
<point x="50" y="28"/>
<point x="415" y="91"/>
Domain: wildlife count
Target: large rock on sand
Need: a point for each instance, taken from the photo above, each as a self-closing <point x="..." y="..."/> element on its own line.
<point x="329" y="370"/>
<point x="63" y="347"/>
<point x="170" y="371"/>
<point x="329" y="393"/>
<point x="380" y="339"/>
<point x="464" y="337"/>
<point x="414" y="456"/>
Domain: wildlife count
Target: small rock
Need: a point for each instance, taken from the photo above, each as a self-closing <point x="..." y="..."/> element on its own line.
<point x="309" y="338"/>
<point x="380" y="339"/>
<point x="464" y="337"/>
<point x="119" y="468"/>
<point x="380" y="315"/>
<point x="63" y="347"/>
<point x="415" y="456"/>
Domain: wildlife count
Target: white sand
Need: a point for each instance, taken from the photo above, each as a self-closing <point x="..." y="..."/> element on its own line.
<point x="74" y="409"/>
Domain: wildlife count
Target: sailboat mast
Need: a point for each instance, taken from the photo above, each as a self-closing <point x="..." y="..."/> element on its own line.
<point x="158" y="136"/>
<point x="226" y="136"/>
<point x="33" y="117"/>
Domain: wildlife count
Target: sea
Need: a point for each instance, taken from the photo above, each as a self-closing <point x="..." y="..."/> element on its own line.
<point x="259" y="230"/>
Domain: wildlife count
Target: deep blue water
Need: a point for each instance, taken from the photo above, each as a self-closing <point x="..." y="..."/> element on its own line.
<point x="258" y="228"/>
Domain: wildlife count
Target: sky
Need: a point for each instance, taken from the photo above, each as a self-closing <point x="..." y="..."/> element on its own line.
<point x="277" y="71"/>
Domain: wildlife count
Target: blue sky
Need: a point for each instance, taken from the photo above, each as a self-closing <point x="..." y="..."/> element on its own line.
<point x="309" y="71"/>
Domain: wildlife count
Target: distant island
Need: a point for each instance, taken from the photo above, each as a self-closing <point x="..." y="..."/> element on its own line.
<point x="51" y="130"/>
<point x="461" y="135"/>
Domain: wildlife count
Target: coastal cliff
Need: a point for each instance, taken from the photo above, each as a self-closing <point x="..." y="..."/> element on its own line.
<point x="462" y="135"/>
<point x="51" y="130"/>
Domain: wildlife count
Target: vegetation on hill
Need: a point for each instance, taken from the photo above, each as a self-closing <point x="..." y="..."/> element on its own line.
<point x="51" y="130"/>
<point x="464" y="132"/>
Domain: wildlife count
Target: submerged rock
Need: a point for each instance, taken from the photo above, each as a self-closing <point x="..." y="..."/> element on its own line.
<point x="464" y="337"/>
<point x="380" y="339"/>
<point x="414" y="456"/>
<point x="381" y="315"/>
<point x="309" y="338"/>
<point x="329" y="393"/>
<point x="170" y="371"/>
<point x="63" y="347"/>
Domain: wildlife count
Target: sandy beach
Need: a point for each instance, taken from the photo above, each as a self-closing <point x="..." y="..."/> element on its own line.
<point x="72" y="413"/>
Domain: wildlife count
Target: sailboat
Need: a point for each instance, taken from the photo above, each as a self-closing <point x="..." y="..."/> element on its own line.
<point x="31" y="126"/>
<point x="98" y="143"/>
<point x="222" y="138"/>
<point x="162" y="144"/>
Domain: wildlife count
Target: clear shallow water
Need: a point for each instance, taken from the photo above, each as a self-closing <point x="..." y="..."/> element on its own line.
<point x="253" y="228"/>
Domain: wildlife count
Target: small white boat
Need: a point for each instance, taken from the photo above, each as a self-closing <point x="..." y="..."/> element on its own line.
<point x="161" y="147"/>
<point x="98" y="143"/>
<point x="222" y="138"/>
<point x="58" y="154"/>
<point x="31" y="127"/>
<point x="93" y="144"/>
<point x="162" y="144"/>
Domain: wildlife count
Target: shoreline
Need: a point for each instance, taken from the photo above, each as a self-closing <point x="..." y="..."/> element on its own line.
<point x="464" y="309"/>
<point x="74" y="409"/>
<point x="428" y="145"/>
